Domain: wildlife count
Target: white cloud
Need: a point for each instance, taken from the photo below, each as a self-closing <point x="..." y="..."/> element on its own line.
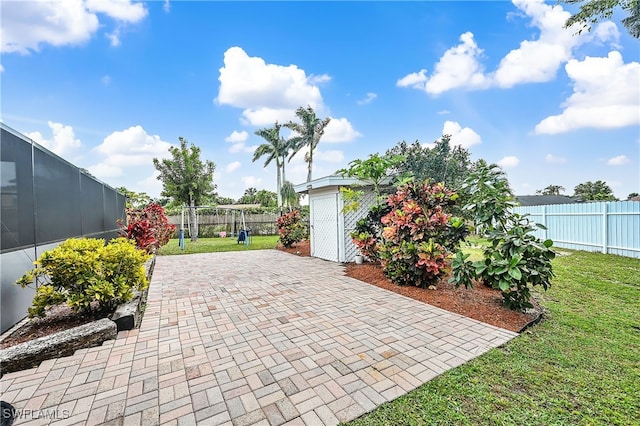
<point x="444" y="112"/>
<point x="122" y="10"/>
<point x="1" y="68"/>
<point x="130" y="149"/>
<point x="606" y="95"/>
<point x="618" y="161"/>
<point x="319" y="79"/>
<point x="465" y="137"/>
<point x="339" y="130"/>
<point x="508" y="162"/>
<point x="536" y="60"/>
<point x="458" y="67"/>
<point x="267" y="116"/>
<point x="166" y="6"/>
<point x="237" y="136"/>
<point x="63" y="140"/>
<point x="232" y="166"/>
<point x="331" y="156"/>
<point x="414" y="80"/>
<point x="265" y="91"/>
<point x="251" y="181"/>
<point x="114" y="38"/>
<point x="106" y="80"/>
<point x="549" y="158"/>
<point x="26" y="25"/>
<point x="368" y="99"/>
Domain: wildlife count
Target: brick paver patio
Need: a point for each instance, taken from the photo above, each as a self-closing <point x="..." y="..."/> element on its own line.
<point x="252" y="338"/>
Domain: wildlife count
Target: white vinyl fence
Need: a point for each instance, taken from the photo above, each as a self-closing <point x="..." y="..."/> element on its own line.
<point x="608" y="227"/>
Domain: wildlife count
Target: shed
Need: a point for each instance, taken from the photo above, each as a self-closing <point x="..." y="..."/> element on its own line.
<point x="329" y="225"/>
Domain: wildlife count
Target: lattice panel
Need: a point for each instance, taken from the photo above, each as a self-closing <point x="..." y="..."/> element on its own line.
<point x="366" y="201"/>
<point x="325" y="227"/>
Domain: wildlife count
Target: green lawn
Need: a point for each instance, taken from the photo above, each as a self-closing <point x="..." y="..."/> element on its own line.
<point x="208" y="245"/>
<point x="581" y="366"/>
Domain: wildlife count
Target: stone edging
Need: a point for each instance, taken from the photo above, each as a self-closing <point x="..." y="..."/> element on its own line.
<point x="64" y="343"/>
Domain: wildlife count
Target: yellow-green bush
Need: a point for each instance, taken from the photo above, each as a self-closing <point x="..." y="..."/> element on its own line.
<point x="88" y="275"/>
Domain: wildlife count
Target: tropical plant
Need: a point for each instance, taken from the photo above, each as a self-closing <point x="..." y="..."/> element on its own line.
<point x="148" y="227"/>
<point x="276" y="148"/>
<point x="515" y="259"/>
<point x="186" y="178"/>
<point x="373" y="171"/>
<point x="306" y="134"/>
<point x="594" y="191"/>
<point x="291" y="228"/>
<point x="419" y="235"/>
<point x="88" y="275"/>
<point x="290" y="198"/>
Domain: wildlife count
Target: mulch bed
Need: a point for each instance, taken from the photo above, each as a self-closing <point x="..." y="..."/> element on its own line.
<point x="480" y="302"/>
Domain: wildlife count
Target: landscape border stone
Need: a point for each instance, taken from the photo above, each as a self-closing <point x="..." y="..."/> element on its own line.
<point x="30" y="354"/>
<point x="63" y="343"/>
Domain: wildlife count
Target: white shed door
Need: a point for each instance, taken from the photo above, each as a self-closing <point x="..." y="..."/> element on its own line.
<point x="324" y="226"/>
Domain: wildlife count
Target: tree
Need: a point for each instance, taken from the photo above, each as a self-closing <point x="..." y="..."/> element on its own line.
<point x="290" y="198"/>
<point x="308" y="133"/>
<point x="249" y="196"/>
<point x="135" y="200"/>
<point x="186" y="178"/>
<point x="551" y="190"/>
<point x="276" y="148"/>
<point x="594" y="191"/>
<point x="634" y="196"/>
<point x="440" y="163"/>
<point x="266" y="198"/>
<point x="593" y="11"/>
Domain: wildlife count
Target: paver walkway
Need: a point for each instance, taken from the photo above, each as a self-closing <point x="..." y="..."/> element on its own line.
<point x="256" y="337"/>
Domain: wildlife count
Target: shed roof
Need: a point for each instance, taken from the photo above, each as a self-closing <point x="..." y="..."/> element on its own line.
<point x="542" y="200"/>
<point x="326" y="182"/>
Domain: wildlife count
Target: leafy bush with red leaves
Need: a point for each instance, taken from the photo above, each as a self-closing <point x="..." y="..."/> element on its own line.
<point x="291" y="228"/>
<point x="419" y="235"/>
<point x="149" y="227"/>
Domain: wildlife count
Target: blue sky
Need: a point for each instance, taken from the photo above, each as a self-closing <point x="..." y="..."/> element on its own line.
<point x="109" y="85"/>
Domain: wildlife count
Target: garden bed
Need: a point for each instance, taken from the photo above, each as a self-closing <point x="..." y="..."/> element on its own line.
<point x="480" y="302"/>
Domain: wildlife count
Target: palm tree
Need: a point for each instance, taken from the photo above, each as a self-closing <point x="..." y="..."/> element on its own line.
<point x="308" y="133"/>
<point x="289" y="195"/>
<point x="276" y="148"/>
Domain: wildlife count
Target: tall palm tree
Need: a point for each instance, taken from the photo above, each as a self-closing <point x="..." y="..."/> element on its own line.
<point x="290" y="197"/>
<point x="276" y="148"/>
<point x="308" y="133"/>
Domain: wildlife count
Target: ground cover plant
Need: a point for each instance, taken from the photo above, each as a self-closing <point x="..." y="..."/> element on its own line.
<point x="211" y="245"/>
<point x="580" y="366"/>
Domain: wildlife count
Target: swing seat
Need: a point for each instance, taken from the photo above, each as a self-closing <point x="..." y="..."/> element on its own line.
<point x="242" y="236"/>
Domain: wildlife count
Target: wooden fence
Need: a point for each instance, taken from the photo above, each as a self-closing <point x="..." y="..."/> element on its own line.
<point x="608" y="227"/>
<point x="230" y="222"/>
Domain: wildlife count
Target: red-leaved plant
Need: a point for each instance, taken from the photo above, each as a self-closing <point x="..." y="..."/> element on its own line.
<point x="149" y="227"/>
<point x="419" y="235"/>
<point x="290" y="228"/>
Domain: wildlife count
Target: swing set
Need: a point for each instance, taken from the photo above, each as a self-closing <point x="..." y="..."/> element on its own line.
<point x="244" y="234"/>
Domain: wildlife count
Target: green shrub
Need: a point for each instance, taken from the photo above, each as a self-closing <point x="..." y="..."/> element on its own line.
<point x="515" y="258"/>
<point x="88" y="275"/>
